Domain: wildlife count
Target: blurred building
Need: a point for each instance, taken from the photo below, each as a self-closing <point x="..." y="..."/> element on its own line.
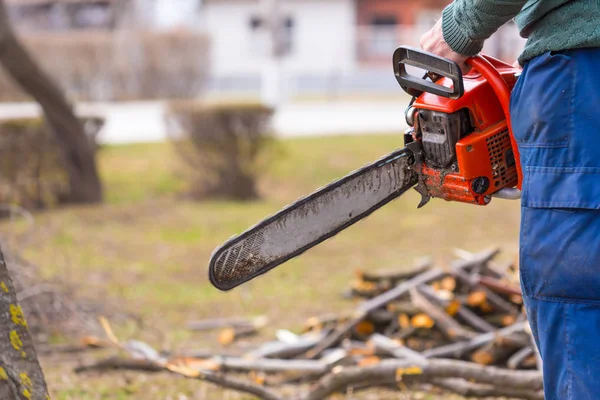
<point x="384" y="24"/>
<point x="318" y="41"/>
<point x="60" y="15"/>
<point x="330" y="47"/>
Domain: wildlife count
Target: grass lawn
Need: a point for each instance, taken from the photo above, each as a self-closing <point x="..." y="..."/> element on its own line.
<point x="147" y="249"/>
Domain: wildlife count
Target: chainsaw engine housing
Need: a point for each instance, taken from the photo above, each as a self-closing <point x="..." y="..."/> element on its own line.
<point x="466" y="143"/>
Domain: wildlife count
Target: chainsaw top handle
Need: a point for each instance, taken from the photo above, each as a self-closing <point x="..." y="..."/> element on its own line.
<point x="431" y="63"/>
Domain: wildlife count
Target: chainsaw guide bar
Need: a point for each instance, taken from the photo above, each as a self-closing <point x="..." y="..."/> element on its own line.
<point x="311" y="220"/>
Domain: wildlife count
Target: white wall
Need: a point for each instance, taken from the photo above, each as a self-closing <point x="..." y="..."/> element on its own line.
<point x="323" y="39"/>
<point x="175" y="13"/>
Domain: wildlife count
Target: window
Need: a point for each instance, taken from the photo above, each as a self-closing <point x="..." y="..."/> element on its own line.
<point x="259" y="35"/>
<point x="383" y="35"/>
<point x="256" y="23"/>
<point x="385" y="20"/>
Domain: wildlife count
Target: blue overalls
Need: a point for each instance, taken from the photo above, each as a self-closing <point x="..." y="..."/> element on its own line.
<point x="555" y="111"/>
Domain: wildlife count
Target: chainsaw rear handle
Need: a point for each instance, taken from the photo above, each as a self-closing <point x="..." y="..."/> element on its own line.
<point x="431" y="63"/>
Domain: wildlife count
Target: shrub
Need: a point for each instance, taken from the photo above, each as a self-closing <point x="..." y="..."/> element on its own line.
<point x="223" y="147"/>
<point x="32" y="171"/>
<point x="119" y="65"/>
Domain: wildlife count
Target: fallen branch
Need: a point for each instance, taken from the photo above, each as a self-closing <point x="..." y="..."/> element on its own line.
<point x="398" y="370"/>
<point x="394" y="275"/>
<point x="117" y="363"/>
<point x="468" y="389"/>
<point x="223" y="323"/>
<point x="499" y="286"/>
<point x="286" y="350"/>
<point x="270" y="365"/>
<point x="151" y="366"/>
<point x="384" y="344"/>
<point x="457" y="350"/>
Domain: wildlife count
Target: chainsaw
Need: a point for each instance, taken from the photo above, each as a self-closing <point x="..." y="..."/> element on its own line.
<point x="458" y="147"/>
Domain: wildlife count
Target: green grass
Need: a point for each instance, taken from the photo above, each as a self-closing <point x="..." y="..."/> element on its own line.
<point x="146" y="249"/>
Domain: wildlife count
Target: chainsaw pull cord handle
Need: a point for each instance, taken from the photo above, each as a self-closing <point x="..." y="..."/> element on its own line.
<point x="491" y="74"/>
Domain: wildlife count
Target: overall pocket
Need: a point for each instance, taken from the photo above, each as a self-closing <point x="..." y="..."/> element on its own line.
<point x="560" y="234"/>
<point x="542" y="102"/>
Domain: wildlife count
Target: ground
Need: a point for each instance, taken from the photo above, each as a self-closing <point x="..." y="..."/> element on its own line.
<point x="146" y="250"/>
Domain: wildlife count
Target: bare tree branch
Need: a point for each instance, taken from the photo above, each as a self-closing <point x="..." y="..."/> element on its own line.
<point x="396" y="370"/>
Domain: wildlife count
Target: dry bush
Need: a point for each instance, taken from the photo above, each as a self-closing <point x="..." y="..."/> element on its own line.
<point x="120" y="65"/>
<point x="32" y="170"/>
<point x="223" y="146"/>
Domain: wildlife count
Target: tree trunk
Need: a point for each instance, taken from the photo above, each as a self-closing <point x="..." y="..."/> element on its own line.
<point x="21" y="376"/>
<point x="84" y="182"/>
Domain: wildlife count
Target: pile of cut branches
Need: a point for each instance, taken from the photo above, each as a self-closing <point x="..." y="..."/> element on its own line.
<point x="460" y="328"/>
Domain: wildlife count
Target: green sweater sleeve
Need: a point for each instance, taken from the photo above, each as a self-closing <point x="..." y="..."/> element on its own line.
<point x="466" y="24"/>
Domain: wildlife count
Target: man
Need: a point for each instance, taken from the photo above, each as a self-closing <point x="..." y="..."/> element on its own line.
<point x="555" y="112"/>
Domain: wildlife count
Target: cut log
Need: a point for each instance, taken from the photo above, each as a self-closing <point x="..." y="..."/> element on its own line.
<point x="323" y="321"/>
<point x="386" y="345"/>
<point x="458" y="350"/>
<point x="517" y="299"/>
<point x="356" y="348"/>
<point x="476" y="299"/>
<point x="494" y="353"/>
<point x="404" y="322"/>
<point x="368" y="361"/>
<point x="229" y="335"/>
<point x="501" y="319"/>
<point x="517" y="359"/>
<point x="454" y="308"/>
<point x="422" y="321"/>
<point x="448" y="283"/>
<point x="452" y="329"/>
<point x="363" y="329"/>
<point x="361" y="288"/>
<point x="497" y="301"/>
<point x="403" y="307"/>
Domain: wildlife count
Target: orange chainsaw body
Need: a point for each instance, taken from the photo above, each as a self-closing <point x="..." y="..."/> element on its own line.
<point x="486" y="159"/>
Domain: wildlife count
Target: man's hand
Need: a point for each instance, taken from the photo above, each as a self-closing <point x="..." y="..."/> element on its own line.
<point x="433" y="42"/>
